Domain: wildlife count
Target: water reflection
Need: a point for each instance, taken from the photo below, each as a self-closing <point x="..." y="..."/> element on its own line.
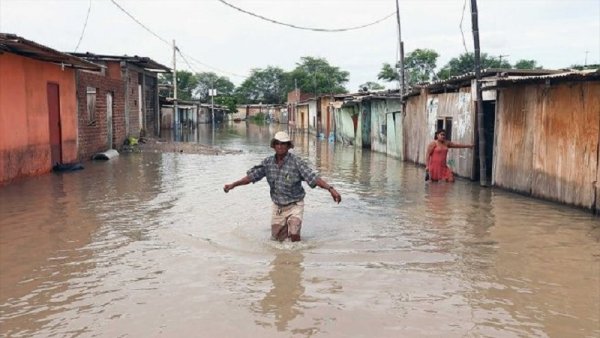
<point x="437" y="201"/>
<point x="149" y="245"/>
<point x="281" y="303"/>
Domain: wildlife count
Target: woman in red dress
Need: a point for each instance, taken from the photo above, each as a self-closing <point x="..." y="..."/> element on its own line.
<point x="437" y="153"/>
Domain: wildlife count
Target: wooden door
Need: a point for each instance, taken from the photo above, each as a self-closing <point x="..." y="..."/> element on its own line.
<point x="54" y="123"/>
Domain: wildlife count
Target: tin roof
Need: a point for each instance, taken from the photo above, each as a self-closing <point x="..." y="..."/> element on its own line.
<point x="140" y="61"/>
<point x="366" y="96"/>
<point x="465" y="79"/>
<point x="17" y="45"/>
<point x="571" y="75"/>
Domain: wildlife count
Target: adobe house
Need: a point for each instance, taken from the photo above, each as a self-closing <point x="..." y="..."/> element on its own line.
<point x="38" y="107"/>
<point x="293" y="99"/>
<point x="125" y="92"/>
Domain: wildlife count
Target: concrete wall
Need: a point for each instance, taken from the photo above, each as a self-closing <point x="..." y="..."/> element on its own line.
<point x="395" y="133"/>
<point x="379" y="122"/>
<point x="312" y="116"/>
<point x="24" y="117"/>
<point x="344" y="124"/>
<point x="302" y="116"/>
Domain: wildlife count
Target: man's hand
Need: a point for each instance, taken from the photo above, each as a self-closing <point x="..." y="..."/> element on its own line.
<point x="227" y="187"/>
<point x="336" y="195"/>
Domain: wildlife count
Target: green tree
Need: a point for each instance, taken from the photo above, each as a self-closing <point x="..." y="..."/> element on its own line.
<point x="209" y="80"/>
<point x="370" y="86"/>
<point x="263" y="86"/>
<point x="186" y="84"/>
<point x="465" y="63"/>
<point x="388" y="73"/>
<point x="316" y="75"/>
<point x="584" y="67"/>
<point x="527" y="64"/>
<point x="419" y="66"/>
<point x="229" y="101"/>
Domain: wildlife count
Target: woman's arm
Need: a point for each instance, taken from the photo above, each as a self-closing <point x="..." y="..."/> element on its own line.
<point x="430" y="148"/>
<point x="460" y="145"/>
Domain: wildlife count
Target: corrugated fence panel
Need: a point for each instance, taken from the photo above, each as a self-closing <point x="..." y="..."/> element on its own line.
<point x="547" y="141"/>
<point x="514" y="136"/>
<point x="565" y="165"/>
<point x="416" y="135"/>
<point x="459" y="107"/>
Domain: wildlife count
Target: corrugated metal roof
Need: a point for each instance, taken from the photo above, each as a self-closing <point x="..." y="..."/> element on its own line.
<point x="591" y="74"/>
<point x="17" y="45"/>
<point x="140" y="61"/>
<point x="365" y="96"/>
<point x="465" y="79"/>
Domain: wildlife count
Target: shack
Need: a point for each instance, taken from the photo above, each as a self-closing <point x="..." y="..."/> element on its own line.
<point x="38" y="107"/>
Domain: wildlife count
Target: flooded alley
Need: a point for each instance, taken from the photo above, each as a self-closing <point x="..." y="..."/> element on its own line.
<point x="149" y="245"/>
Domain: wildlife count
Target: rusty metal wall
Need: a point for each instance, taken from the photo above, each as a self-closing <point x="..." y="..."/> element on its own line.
<point x="416" y="134"/>
<point x="547" y="140"/>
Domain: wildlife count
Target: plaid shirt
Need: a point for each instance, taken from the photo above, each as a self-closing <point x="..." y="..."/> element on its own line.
<point x="285" y="182"/>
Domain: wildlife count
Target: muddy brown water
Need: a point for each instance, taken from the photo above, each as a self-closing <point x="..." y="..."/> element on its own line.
<point x="148" y="245"/>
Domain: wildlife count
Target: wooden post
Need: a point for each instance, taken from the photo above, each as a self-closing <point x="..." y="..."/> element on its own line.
<point x="483" y="179"/>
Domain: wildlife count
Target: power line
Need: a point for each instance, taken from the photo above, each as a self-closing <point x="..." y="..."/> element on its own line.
<point x="461" y="30"/>
<point x="139" y="23"/>
<point x="214" y="68"/>
<point x="84" y="26"/>
<point x="306" y="28"/>
<point x="167" y="42"/>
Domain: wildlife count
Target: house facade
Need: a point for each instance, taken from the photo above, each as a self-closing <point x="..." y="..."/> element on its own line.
<point x="133" y="82"/>
<point x="38" y="107"/>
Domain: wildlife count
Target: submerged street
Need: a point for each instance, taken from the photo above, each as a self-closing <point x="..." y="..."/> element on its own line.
<point x="149" y="245"/>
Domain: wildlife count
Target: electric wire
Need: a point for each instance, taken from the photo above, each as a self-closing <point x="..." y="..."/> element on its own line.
<point x="139" y="23"/>
<point x="167" y="42"/>
<point x="307" y="28"/>
<point x="213" y="68"/>
<point x="460" y="26"/>
<point x="84" y="26"/>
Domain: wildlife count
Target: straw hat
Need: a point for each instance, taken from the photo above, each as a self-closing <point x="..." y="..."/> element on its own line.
<point x="283" y="137"/>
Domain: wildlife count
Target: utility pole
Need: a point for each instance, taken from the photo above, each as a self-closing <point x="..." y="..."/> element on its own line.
<point x="175" y="108"/>
<point x="480" y="125"/>
<point x="212" y="92"/>
<point x="296" y="103"/>
<point x="401" y="44"/>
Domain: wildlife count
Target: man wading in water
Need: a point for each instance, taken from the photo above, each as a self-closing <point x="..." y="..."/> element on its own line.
<point x="285" y="173"/>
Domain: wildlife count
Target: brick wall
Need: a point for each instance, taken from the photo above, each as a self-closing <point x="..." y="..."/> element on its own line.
<point x="133" y="104"/>
<point x="93" y="134"/>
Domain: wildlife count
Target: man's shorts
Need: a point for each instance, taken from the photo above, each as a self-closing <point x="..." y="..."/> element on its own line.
<point x="287" y="220"/>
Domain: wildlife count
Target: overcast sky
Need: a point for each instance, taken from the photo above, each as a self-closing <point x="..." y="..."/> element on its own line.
<point x="218" y="38"/>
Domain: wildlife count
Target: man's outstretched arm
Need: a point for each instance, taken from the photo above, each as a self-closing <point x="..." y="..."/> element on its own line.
<point x="242" y="181"/>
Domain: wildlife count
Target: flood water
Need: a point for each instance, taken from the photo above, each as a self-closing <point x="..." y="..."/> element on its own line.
<point x="149" y="245"/>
